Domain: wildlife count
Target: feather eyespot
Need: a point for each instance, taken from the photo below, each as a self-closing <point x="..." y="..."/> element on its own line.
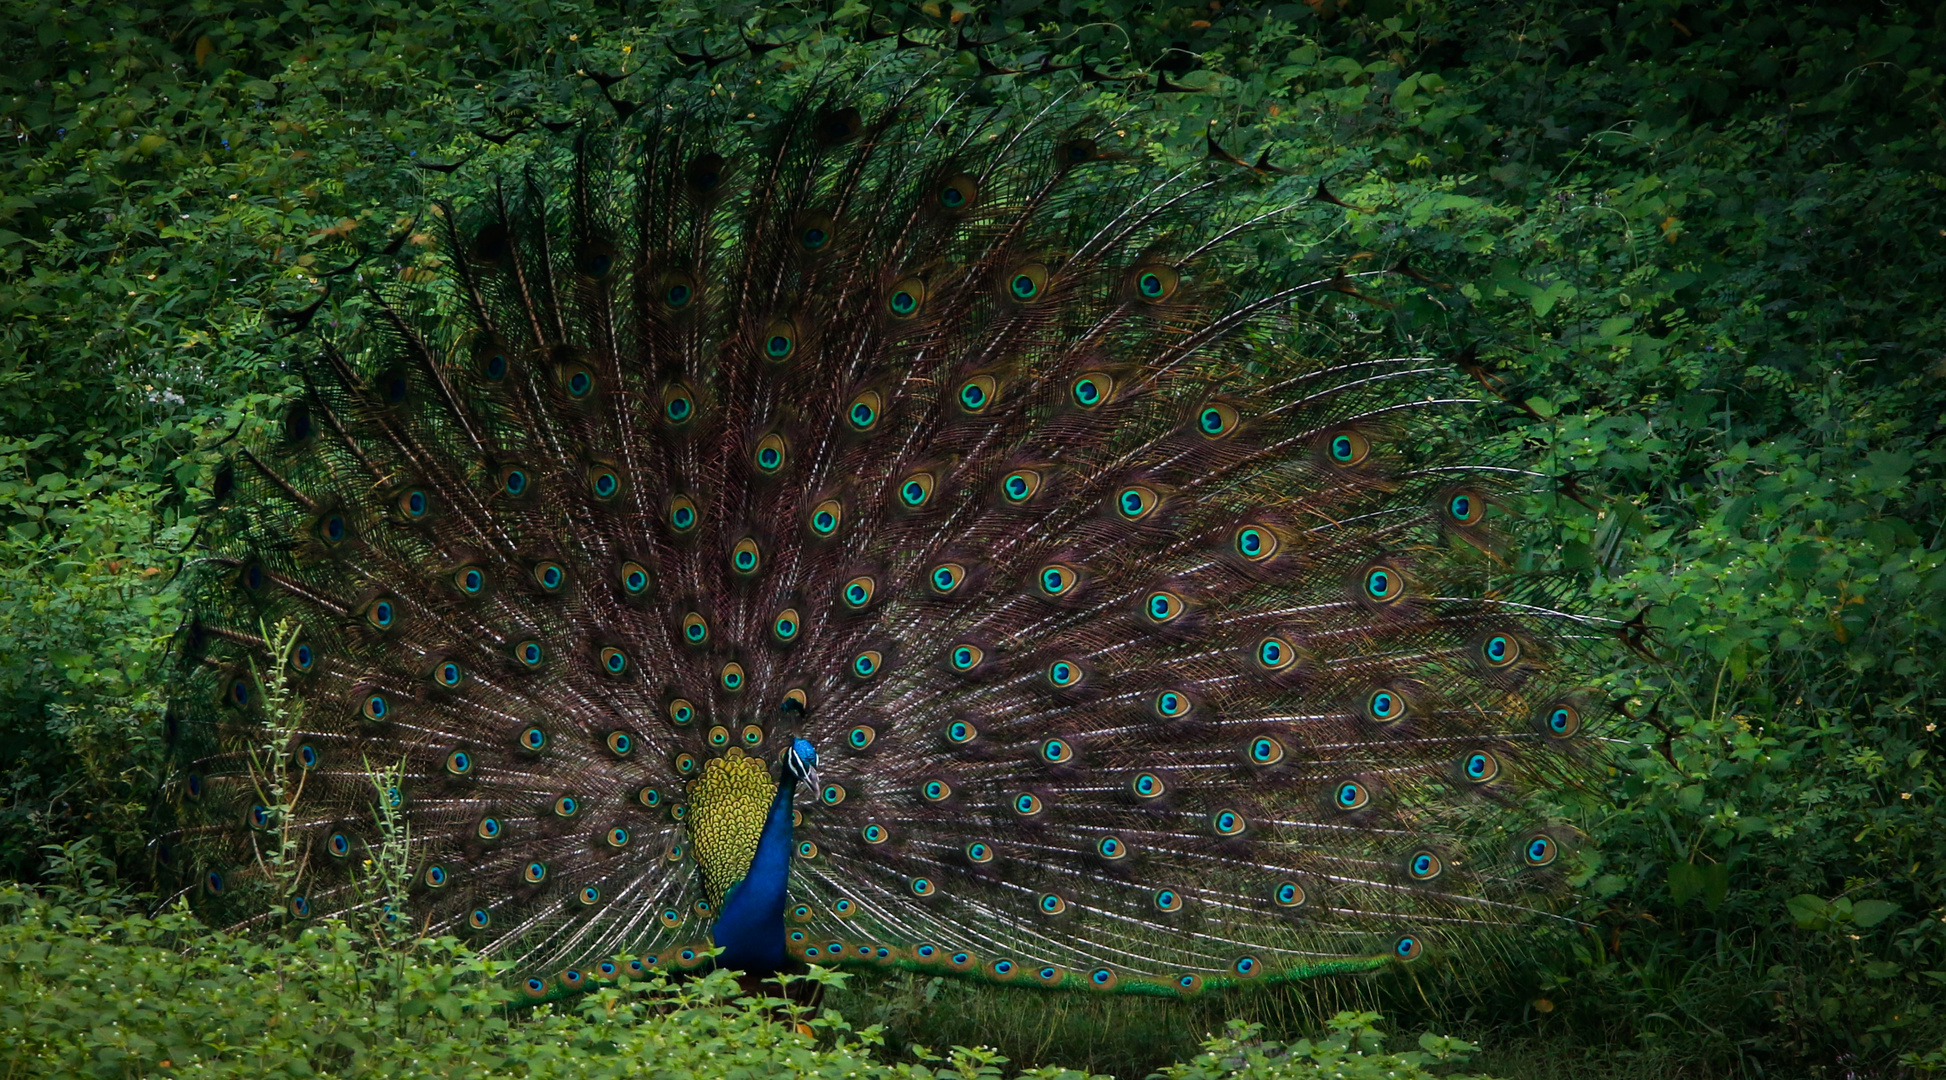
<point x="678" y="405"/>
<point x="1027" y="804"/>
<point x="1090" y="389"/>
<point x="796" y="702"/>
<point x="1424" y="866"/>
<point x="857" y="593"/>
<point x="1216" y="420"/>
<point x="1167" y="900"/>
<point x="826" y="517"/>
<point x="1289" y="894"/>
<point x="1057" y="751"/>
<point x="1163" y="607"/>
<point x="1539" y="850"/>
<point x="976" y="393"/>
<point x="487" y="829"/>
<point x="566" y="806"/>
<point x="1386" y="706"/>
<point x="448" y="674"/>
<point x="1136" y="502"/>
<point x="634" y="578"/>
<point x="961" y="732"/>
<point x="867" y="664"/>
<point x="957" y="193"/>
<point x="514" y="482"/>
<point x="1351" y="795"/>
<point x="1026" y="283"/>
<point x="786" y="625"/>
<point x="331" y="530"/>
<point x="1248" y="967"/>
<point x="677" y="291"/>
<point x="1020" y="485"/>
<point x="916" y="490"/>
<point x="1346" y="448"/>
<point x="491" y="362"/>
<point x="339" y="845"/>
<point x="681" y="712"/>
<point x="1465" y="508"/>
<point x="550" y="576"/>
<point x="1171" y="704"/>
<point x="534" y="873"/>
<point x="1147" y="785"/>
<point x="1264" y="750"/>
<point x="1407" y="947"/>
<point x="1274" y="653"/>
<point x="807" y="850"/>
<point x="1479" y="767"/>
<point x="718" y="737"/>
<point x="575" y="379"/>
<point x="1560" y="720"/>
<point x="1499" y="651"/>
<point x="979" y="853"/>
<point x="1381" y="583"/>
<point x="832" y="794"/>
<point x="414" y="504"/>
<point x="965" y="656"/>
<point x="1227" y="823"/>
<point x="815" y="232"/>
<point x="1076" y="152"/>
<point x="874" y="834"/>
<point x="770" y="454"/>
<point x="945" y="578"/>
<point x="604" y="483"/>
<point x="619" y="743"/>
<point x="375" y="708"/>
<point x="906" y="298"/>
<point x="649" y="797"/>
<point x="934" y="791"/>
<point x="780" y="341"/>
<point x="864" y="411"/>
<point x="308" y="756"/>
<point x="746" y="557"/>
<point x="382" y="613"/>
<point x="589" y="896"/>
<point x="1154" y="283"/>
<point x="704" y="172"/>
<point x="1255" y="543"/>
<point x="1052" y="904"/>
<point x="436" y="877"/>
<point x="613" y="660"/>
<point x="685" y="763"/>
<point x="1056" y="579"/>
<point x="923" y="887"/>
<point x="695" y="628"/>
<point x="731" y="679"/>
<point x="1065" y="674"/>
<point x="533" y="739"/>
<point x="861" y="737"/>
<point x="479" y="919"/>
<point x="1111" y="848"/>
<point x="683" y="514"/>
<point x="596" y="260"/>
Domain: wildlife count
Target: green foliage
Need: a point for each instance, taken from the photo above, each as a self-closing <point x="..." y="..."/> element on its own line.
<point x="1697" y="248"/>
<point x="88" y="991"/>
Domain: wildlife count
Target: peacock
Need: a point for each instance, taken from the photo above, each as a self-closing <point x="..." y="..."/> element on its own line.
<point x="883" y="530"/>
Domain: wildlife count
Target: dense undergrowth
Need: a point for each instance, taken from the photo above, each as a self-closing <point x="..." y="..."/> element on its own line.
<point x="1691" y="251"/>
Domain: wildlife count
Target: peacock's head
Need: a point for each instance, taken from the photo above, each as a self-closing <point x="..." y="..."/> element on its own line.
<point x="801" y="762"/>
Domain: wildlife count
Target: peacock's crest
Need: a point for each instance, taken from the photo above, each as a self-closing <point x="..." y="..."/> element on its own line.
<point x="1151" y="639"/>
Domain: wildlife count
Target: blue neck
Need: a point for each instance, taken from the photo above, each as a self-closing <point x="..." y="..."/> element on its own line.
<point x="750" y="928"/>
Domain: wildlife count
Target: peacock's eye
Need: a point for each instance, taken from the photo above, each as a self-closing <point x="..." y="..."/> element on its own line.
<point x="1065" y="674"/>
<point x="1091" y="389"/>
<point x="946" y="577"/>
<point x="1020" y="485"/>
<point x="867" y="664"/>
<point x="1346" y="448"/>
<point x="1154" y="284"/>
<point x="1561" y="721"/>
<point x="826" y="517"/>
<point x="1275" y="653"/>
<point x="678" y="405"/>
<point x="681" y="712"/>
<point x="958" y="193"/>
<point x="678" y="291"/>
<point x="332" y="529"/>
<point x="770" y="453"/>
<point x="683" y="514"/>
<point x="1056" y="579"/>
<point x="1057" y="751"/>
<point x="1479" y="767"/>
<point x="1265" y="750"/>
<point x="916" y="489"/>
<point x="415" y="504"/>
<point x="550" y="576"/>
<point x="1162" y="607"/>
<point x="906" y="298"/>
<point x="864" y="411"/>
<point x="1539" y="850"/>
<point x="603" y="482"/>
<point x="1500" y="651"/>
<point x="1027" y="283"/>
<point x="1172" y="705"/>
<point x="858" y="592"/>
<point x="1465" y="508"/>
<point x="730" y="677"/>
<point x="786" y="626"/>
<point x="965" y="656"/>
<point x="746" y="557"/>
<point x="613" y="661"/>
<point x="1136" y="502"/>
<point x="1289" y="894"/>
<point x="1382" y="583"/>
<point x="1385" y="706"/>
<point x="780" y="341"/>
<point x="1217" y="420"/>
<point x="1352" y="795"/>
<point x="1424" y="866"/>
<point x="1255" y="543"/>
<point x="635" y="578"/>
<point x="977" y="392"/>
<point x="695" y="628"/>
<point x="529" y="653"/>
